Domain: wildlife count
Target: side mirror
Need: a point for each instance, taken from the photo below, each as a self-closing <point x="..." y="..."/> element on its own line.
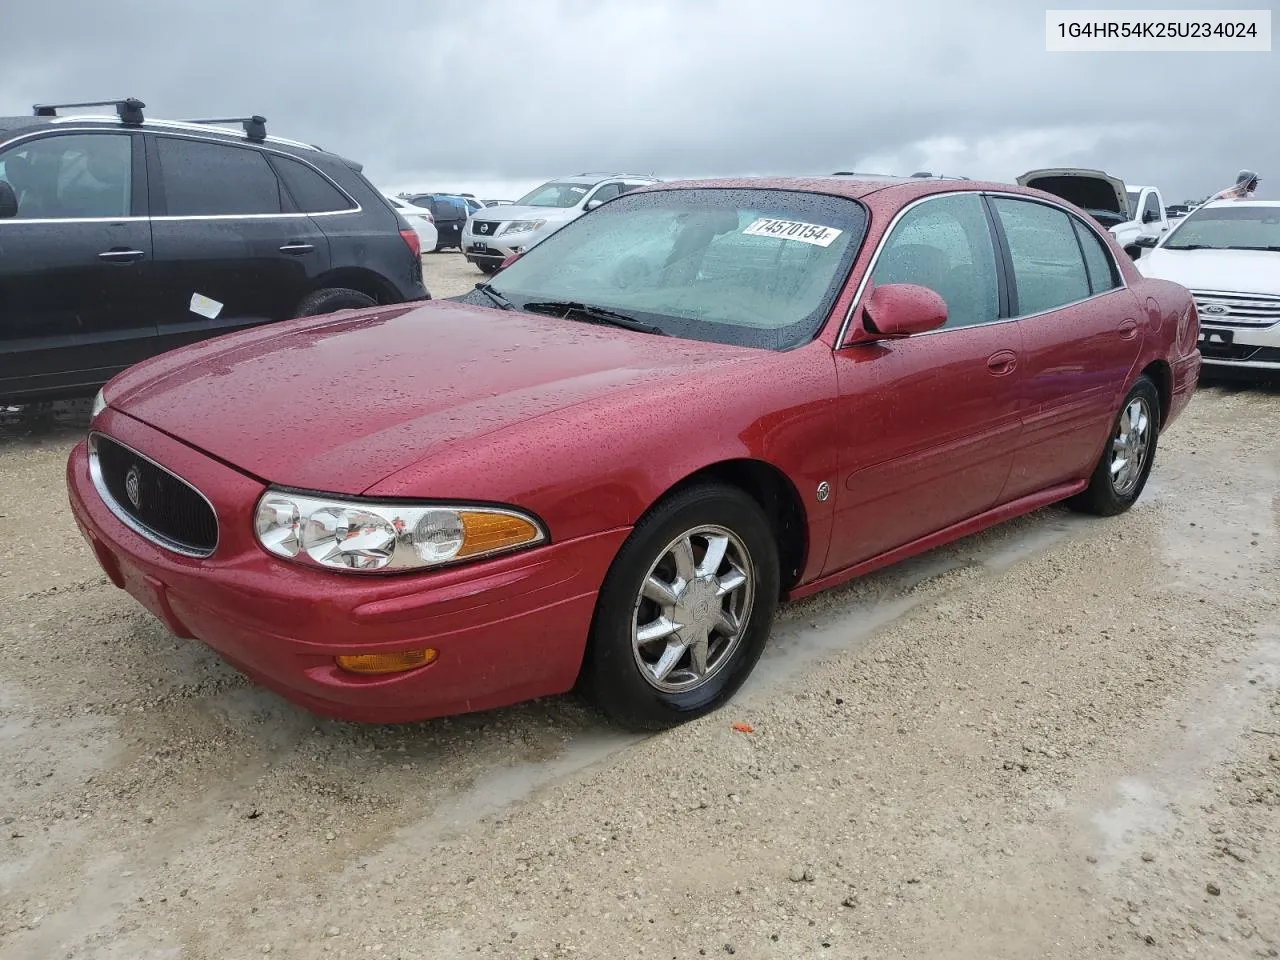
<point x="1146" y="242"/>
<point x="8" y="201"/>
<point x="591" y="204"/>
<point x="1151" y="217"/>
<point x="899" y="310"/>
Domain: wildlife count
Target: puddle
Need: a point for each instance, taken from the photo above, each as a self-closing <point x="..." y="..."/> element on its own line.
<point x="1213" y="724"/>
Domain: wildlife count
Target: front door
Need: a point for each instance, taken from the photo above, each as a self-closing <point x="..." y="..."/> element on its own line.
<point x="231" y="250"/>
<point x="929" y="424"/>
<point x="74" y="306"/>
<point x="1081" y="335"/>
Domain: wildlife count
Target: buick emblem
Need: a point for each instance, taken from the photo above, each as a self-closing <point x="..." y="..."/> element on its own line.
<point x="1217" y="309"/>
<point x="133" y="486"/>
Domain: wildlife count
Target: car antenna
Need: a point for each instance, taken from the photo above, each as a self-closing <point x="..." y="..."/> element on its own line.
<point x="255" y="127"/>
<point x="129" y="110"/>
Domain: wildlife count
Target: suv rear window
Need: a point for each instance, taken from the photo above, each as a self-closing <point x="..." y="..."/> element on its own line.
<point x="311" y="191"/>
<point x="212" y="179"/>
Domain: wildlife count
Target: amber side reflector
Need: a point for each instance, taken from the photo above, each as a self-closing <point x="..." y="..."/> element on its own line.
<point x="388" y="662"/>
<point x="487" y="532"/>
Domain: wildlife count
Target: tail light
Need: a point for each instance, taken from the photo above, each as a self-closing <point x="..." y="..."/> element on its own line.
<point x="431" y="218"/>
<point x="411" y="241"/>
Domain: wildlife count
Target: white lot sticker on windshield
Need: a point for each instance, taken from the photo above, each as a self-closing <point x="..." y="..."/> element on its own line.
<point x="793" y="230"/>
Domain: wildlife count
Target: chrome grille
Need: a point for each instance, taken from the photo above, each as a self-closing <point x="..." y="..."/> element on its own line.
<point x="155" y="503"/>
<point x="1237" y="309"/>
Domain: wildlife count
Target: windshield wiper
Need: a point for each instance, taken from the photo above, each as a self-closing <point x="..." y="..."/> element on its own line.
<point x="1270" y="247"/>
<point x="593" y="315"/>
<point x="1190" y="246"/>
<point x="495" y="296"/>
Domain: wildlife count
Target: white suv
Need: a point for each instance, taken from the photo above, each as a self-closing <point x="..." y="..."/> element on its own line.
<point x="495" y="233"/>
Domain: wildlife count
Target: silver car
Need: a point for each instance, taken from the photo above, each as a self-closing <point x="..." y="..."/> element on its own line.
<point x="495" y="233"/>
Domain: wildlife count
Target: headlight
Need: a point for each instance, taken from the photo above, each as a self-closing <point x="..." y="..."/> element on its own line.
<point x="99" y="404"/>
<point x="377" y="537"/>
<point x="522" y="226"/>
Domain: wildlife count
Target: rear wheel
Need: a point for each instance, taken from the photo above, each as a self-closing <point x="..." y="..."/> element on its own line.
<point x="684" y="611"/>
<point x="1125" y="464"/>
<point x="331" y="299"/>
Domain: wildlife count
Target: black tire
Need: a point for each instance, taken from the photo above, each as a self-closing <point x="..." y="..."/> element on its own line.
<point x="488" y="268"/>
<point x="612" y="675"/>
<point x="333" y="298"/>
<point x="1103" y="497"/>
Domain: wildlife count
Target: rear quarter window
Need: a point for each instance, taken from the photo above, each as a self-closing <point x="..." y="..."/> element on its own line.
<point x="311" y="191"/>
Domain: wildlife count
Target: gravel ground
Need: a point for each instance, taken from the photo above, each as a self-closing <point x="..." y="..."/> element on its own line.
<point x="1057" y="739"/>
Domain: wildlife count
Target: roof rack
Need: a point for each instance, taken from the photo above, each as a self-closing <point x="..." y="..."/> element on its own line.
<point x="255" y="127"/>
<point x="129" y="110"/>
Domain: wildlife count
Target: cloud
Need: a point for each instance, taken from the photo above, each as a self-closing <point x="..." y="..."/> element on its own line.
<point x="507" y="93"/>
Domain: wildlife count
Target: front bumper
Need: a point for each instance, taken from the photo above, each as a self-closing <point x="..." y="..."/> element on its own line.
<point x="1248" y="348"/>
<point x="478" y="248"/>
<point x="506" y="629"/>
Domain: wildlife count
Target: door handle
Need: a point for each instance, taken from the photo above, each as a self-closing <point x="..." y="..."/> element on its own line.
<point x="121" y="255"/>
<point x="1128" y="329"/>
<point x="1002" y="362"/>
<point x="297" y="247"/>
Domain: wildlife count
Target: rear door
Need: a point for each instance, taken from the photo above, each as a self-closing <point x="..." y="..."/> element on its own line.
<point x="75" y="308"/>
<point x="929" y="424"/>
<point x="451" y="217"/>
<point x="231" y="248"/>
<point x="1080" y="334"/>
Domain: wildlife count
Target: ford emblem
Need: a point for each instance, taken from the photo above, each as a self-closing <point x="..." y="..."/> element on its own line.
<point x="133" y="486"/>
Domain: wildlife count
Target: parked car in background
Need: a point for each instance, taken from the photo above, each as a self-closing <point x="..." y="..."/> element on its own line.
<point x="1227" y="253"/>
<point x="508" y="505"/>
<point x="493" y="235"/>
<point x="122" y="237"/>
<point x="451" y="213"/>
<point x="421" y="219"/>
<point x="1129" y="212"/>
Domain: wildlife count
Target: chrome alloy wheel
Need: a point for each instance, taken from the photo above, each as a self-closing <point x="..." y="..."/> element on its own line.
<point x="692" y="609"/>
<point x="1131" y="446"/>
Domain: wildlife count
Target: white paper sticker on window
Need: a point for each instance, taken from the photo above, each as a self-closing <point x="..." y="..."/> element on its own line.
<point x="205" y="306"/>
<point x="793" y="230"/>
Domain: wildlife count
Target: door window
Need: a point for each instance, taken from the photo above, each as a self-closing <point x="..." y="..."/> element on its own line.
<point x="1048" y="266"/>
<point x="606" y="192"/>
<point x="1151" y="209"/>
<point x="312" y="192"/>
<point x="71" y="176"/>
<point x="200" y="178"/>
<point x="945" y="244"/>
<point x="1103" y="273"/>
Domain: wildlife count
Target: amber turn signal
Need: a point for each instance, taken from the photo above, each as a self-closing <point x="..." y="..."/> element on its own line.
<point x="397" y="662"/>
<point x="487" y="532"/>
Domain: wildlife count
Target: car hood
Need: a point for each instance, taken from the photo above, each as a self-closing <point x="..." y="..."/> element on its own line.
<point x="1224" y="271"/>
<point x="509" y="211"/>
<point x="1091" y="190"/>
<point x="337" y="403"/>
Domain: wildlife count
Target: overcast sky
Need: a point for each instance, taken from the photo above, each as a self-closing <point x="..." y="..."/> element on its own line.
<point x="496" y="96"/>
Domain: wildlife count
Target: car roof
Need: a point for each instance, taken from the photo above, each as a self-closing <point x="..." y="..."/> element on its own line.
<point x="99" y="121"/>
<point x="845" y="186"/>
<point x="1240" y="203"/>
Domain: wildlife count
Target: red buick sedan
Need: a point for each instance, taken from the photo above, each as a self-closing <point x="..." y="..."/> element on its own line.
<point x="608" y="465"/>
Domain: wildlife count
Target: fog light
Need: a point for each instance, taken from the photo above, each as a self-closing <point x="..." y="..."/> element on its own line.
<point x="397" y="662"/>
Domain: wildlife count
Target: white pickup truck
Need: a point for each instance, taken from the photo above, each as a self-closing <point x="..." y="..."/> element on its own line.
<point x="1131" y="213"/>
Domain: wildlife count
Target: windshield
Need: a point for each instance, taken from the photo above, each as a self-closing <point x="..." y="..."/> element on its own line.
<point x="754" y="268"/>
<point x="1238" y="227"/>
<point x="555" y="194"/>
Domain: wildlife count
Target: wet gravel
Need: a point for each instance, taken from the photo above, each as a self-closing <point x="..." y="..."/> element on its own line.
<point x="1057" y="739"/>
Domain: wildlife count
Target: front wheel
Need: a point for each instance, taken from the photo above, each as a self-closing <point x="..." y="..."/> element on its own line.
<point x="1126" y="461"/>
<point x="684" y="611"/>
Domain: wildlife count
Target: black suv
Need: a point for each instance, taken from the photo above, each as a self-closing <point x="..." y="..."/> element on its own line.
<point x="123" y="237"/>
